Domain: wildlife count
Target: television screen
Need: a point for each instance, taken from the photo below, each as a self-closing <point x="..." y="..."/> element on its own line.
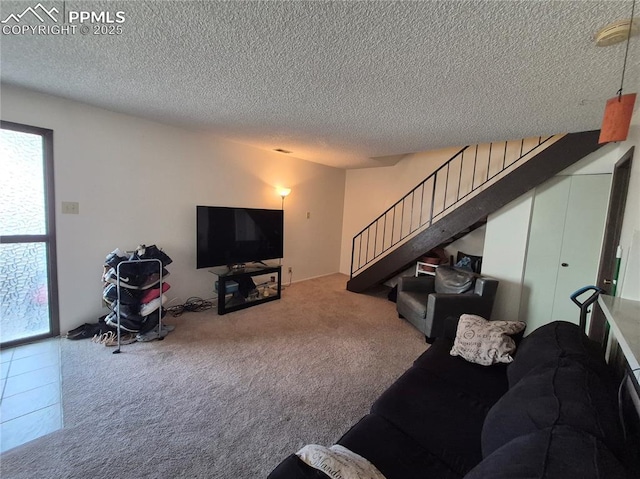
<point x="227" y="236"/>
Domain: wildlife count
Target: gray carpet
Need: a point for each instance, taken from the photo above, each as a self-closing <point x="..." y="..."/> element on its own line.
<point x="224" y="396"/>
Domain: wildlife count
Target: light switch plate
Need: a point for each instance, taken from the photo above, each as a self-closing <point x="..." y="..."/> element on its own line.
<point x="70" y="208"/>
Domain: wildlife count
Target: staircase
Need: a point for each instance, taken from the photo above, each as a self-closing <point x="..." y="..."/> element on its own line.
<point x="456" y="198"/>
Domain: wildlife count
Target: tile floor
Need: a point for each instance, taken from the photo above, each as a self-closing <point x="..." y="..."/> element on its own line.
<point x="30" y="405"/>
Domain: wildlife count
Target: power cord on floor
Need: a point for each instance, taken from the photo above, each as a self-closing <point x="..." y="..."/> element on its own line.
<point x="192" y="305"/>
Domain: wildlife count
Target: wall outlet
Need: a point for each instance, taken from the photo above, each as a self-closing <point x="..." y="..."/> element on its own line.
<point x="290" y="270"/>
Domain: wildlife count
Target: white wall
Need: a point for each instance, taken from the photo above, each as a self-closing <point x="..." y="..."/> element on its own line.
<point x="138" y="182"/>
<point x="505" y="244"/>
<point x="472" y="243"/>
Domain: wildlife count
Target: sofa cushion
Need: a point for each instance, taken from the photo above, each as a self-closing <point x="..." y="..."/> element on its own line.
<point x="413" y="304"/>
<point x="484" y="384"/>
<point x="485" y="342"/>
<point x="553" y="340"/>
<point x="558" y="452"/>
<point x="453" y="281"/>
<point x="563" y="393"/>
<point x="394" y="454"/>
<point x="441" y="417"/>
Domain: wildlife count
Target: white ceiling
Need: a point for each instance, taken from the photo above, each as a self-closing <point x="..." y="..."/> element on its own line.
<point x="347" y="84"/>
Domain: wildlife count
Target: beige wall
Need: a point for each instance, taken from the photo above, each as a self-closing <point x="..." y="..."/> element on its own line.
<point x="138" y="182"/>
<point x="370" y="191"/>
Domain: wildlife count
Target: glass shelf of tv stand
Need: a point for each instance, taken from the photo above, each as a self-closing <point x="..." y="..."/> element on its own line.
<point x="238" y="301"/>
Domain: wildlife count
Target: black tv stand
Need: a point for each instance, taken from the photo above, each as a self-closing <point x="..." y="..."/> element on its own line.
<point x="238" y="275"/>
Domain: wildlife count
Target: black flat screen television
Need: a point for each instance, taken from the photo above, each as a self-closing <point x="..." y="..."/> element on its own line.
<point x="228" y="236"/>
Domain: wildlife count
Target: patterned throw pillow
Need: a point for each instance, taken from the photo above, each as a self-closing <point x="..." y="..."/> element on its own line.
<point x="338" y="462"/>
<point x="485" y="342"/>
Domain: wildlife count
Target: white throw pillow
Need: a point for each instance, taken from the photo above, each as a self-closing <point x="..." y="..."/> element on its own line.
<point x="338" y="462"/>
<point x="485" y="342"/>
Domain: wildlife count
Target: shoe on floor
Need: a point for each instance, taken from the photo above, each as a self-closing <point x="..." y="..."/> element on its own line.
<point x="77" y="333"/>
<point x="85" y="331"/>
<point x="152" y="335"/>
<point x="127" y="338"/>
<point x="103" y="338"/>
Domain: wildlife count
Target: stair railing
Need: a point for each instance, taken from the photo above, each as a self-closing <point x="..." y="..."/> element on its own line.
<point x="467" y="172"/>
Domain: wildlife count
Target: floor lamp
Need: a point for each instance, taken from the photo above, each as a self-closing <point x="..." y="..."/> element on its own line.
<point x="283" y="192"/>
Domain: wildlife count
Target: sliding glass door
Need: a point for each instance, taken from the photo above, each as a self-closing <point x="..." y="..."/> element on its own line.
<point x="28" y="287"/>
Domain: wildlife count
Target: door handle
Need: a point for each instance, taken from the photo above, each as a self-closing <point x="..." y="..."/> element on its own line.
<point x="607" y="281"/>
<point x="564" y="265"/>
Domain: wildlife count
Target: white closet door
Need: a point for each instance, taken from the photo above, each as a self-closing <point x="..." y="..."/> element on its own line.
<point x="567" y="226"/>
<point x="543" y="251"/>
<point x="583" y="233"/>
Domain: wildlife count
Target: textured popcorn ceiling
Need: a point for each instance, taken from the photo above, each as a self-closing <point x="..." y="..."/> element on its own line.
<point x="339" y="83"/>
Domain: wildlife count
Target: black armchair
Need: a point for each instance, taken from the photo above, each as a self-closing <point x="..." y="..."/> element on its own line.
<point x="428" y="302"/>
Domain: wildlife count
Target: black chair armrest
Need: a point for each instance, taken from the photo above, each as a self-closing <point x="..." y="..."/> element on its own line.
<point x="450" y="327"/>
<point x="420" y="284"/>
<point x="486" y="287"/>
<point x="446" y="306"/>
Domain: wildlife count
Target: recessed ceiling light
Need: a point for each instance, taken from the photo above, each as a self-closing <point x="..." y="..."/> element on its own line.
<point x="616" y="32"/>
<point x="280" y="150"/>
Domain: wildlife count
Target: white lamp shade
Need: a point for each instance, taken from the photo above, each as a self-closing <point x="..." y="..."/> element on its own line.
<point x="284" y="191"/>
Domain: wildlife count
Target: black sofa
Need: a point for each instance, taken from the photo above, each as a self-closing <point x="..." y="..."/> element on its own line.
<point x="551" y="413"/>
